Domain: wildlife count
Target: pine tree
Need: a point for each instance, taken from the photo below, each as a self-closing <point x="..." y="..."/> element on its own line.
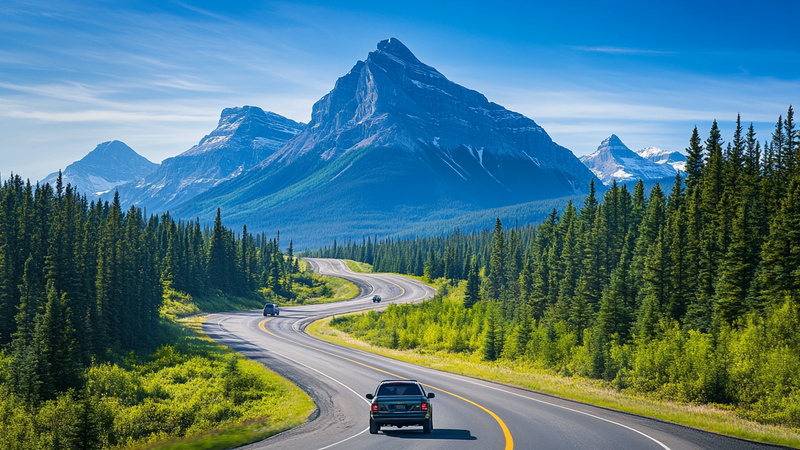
<point x="85" y="432"/>
<point x="694" y="160"/>
<point x="492" y="346"/>
<point x="497" y="267"/>
<point x="217" y="257"/>
<point x="472" y="294"/>
<point x="736" y="271"/>
<point x="57" y="342"/>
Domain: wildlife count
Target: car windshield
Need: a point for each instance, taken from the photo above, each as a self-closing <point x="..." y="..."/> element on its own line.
<point x="399" y="389"/>
<point x="269" y="306"/>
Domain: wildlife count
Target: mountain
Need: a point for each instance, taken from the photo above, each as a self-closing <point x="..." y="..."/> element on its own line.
<point x="658" y="156"/>
<point x="395" y="144"/>
<point x="613" y="161"/>
<point x="109" y="165"/>
<point x="243" y="138"/>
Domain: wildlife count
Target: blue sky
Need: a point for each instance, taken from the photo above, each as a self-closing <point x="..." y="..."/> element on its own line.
<point x="156" y="74"/>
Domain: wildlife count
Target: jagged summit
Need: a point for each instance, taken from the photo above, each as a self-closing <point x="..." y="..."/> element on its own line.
<point x="612" y="141"/>
<point x="396" y="138"/>
<point x="110" y="149"/>
<point x="394" y="47"/>
<point x="614" y="161"/>
<point x="243" y="138"/>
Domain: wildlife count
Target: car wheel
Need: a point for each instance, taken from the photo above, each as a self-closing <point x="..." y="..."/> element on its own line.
<point x="373" y="427"/>
<point x="427" y="426"/>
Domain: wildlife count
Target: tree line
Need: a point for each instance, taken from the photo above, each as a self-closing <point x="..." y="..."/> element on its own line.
<point x="82" y="281"/>
<point x="712" y="262"/>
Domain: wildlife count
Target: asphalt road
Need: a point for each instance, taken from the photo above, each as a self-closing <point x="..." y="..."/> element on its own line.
<point x="468" y="413"/>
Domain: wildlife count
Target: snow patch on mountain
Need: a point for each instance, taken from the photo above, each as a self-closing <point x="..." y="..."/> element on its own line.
<point x="614" y="161"/>
<point x="675" y="159"/>
<point x="244" y="137"/>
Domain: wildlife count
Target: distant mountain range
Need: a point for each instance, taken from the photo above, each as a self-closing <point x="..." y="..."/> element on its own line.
<point x="109" y="165"/>
<point x="243" y="138"/>
<point x="614" y="161"/>
<point x="395" y="144"/>
<point x="394" y="147"/>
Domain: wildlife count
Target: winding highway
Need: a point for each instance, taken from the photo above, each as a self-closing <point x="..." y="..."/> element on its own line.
<point x="468" y="413"/>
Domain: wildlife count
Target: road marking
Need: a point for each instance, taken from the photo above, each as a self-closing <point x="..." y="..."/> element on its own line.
<point x="345" y="440"/>
<point x="506" y="432"/>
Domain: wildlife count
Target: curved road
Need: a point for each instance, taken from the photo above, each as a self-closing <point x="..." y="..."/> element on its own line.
<point x="468" y="413"/>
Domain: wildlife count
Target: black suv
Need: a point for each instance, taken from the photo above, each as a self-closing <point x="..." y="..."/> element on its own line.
<point x="400" y="403"/>
<point x="271" y="309"/>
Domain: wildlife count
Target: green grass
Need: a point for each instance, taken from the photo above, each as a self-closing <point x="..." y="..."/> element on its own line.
<point x="358" y="267"/>
<point x="281" y="405"/>
<point x="595" y="392"/>
<point x="342" y="289"/>
<point x="308" y="288"/>
<point x="192" y="393"/>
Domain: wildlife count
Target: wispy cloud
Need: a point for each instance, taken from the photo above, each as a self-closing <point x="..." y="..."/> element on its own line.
<point x="104" y="116"/>
<point x="620" y="50"/>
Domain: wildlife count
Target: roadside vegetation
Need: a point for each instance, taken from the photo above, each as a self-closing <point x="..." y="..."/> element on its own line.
<point x="93" y="351"/>
<point x="358" y="267"/>
<point x="443" y="335"/>
<point x="690" y="295"/>
<point x="190" y="388"/>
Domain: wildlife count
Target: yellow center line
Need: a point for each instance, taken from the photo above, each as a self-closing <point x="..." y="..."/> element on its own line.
<point x="506" y="432"/>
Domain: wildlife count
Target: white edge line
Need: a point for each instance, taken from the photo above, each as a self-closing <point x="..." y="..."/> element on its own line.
<point x="219" y="324"/>
<point x="345" y="440"/>
<point x="334" y="379"/>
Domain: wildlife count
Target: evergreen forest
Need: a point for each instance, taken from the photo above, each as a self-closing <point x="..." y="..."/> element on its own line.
<point x="690" y="293"/>
<point x="83" y="290"/>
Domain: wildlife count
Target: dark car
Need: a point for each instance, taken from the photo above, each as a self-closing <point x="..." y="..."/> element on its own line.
<point x="400" y="403"/>
<point x="376" y="299"/>
<point x="271" y="309"/>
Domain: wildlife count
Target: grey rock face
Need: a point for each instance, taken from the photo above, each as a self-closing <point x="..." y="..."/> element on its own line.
<point x="395" y="142"/>
<point x="243" y="138"/>
<point x="393" y="100"/>
<point x="109" y="165"/>
<point x="614" y="161"/>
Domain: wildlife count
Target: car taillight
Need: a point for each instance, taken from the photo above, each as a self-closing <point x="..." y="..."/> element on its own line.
<point x="423" y="406"/>
<point x="375" y="407"/>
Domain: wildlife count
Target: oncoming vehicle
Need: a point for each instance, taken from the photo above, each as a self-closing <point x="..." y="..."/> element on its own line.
<point x="400" y="403"/>
<point x="271" y="309"/>
<point x="376" y="299"/>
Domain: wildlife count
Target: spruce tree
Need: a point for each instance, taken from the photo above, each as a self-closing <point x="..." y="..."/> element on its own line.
<point x="694" y="160"/>
<point x="497" y="266"/>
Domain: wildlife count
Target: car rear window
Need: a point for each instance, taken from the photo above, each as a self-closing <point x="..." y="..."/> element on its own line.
<point x="399" y="389"/>
<point x="269" y="306"/>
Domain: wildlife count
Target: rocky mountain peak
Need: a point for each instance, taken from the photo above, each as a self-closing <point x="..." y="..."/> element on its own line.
<point x="616" y="147"/>
<point x="110" y="149"/>
<point x="110" y="164"/>
<point x="612" y="141"/>
<point x="614" y="161"/>
<point x="394" y="47"/>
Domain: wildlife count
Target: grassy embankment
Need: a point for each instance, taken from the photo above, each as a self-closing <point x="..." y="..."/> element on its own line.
<point x="267" y="403"/>
<point x="714" y="418"/>
<point x="192" y="393"/>
<point x="308" y="288"/>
